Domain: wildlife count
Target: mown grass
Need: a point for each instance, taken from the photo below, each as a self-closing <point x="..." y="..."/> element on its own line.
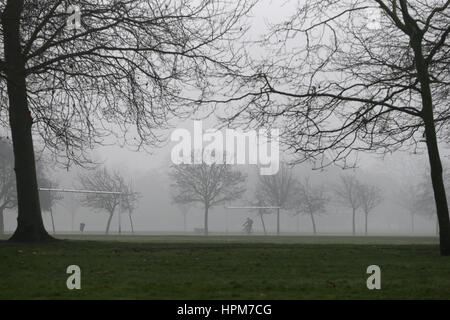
<point x="225" y="268"/>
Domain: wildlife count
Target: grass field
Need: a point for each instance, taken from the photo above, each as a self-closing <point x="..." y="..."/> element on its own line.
<point x="220" y="267"/>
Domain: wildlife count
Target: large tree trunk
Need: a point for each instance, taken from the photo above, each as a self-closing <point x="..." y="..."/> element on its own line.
<point x="29" y="221"/>
<point x="353" y="222"/>
<point x="206" y="220"/>
<point x="313" y="222"/>
<point x="439" y="190"/>
<point x="432" y="146"/>
<point x="2" y="223"/>
<point x="109" y="222"/>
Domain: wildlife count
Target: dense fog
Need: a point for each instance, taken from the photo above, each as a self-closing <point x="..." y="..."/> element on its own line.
<point x="156" y="211"/>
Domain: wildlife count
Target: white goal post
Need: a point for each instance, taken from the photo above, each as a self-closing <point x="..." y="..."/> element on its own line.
<point x="88" y="191"/>
<point x="81" y="191"/>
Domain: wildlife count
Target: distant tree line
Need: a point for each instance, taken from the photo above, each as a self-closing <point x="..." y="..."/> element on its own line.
<point x="215" y="184"/>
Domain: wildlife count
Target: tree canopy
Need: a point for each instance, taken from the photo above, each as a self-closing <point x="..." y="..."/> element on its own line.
<point x="121" y="73"/>
<point x="337" y="86"/>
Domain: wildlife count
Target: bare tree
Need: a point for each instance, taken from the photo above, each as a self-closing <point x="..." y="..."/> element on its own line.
<point x="336" y="81"/>
<point x="424" y="200"/>
<point x="278" y="190"/>
<point x="407" y="174"/>
<point x="407" y="197"/>
<point x="209" y="185"/>
<point x="125" y="67"/>
<point x="102" y="180"/>
<point x="347" y="192"/>
<point x="312" y="200"/>
<point x="129" y="201"/>
<point x="370" y="197"/>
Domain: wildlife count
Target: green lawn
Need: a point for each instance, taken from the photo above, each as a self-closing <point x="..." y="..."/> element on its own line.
<point x="219" y="267"/>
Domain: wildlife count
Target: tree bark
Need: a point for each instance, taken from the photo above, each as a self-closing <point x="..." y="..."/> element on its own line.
<point x="109" y="222"/>
<point x="30" y="226"/>
<point x="206" y="220"/>
<point x="313" y="222"/>
<point x="439" y="192"/>
<point x="432" y="145"/>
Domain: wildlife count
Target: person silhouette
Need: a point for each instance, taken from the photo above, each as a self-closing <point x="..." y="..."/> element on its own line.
<point x="248" y="225"/>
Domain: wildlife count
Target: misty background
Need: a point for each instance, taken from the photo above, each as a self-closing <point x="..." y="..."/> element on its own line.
<point x="156" y="211"/>
<point x="148" y="170"/>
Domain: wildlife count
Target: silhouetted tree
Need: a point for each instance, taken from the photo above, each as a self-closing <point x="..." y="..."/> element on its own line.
<point x="103" y="180"/>
<point x="408" y="197"/>
<point x="125" y="67"/>
<point x="424" y="200"/>
<point x="335" y="80"/>
<point x="311" y="200"/>
<point x="277" y="190"/>
<point x="347" y="193"/>
<point x="209" y="185"/>
<point x="370" y="197"/>
<point x="129" y="201"/>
